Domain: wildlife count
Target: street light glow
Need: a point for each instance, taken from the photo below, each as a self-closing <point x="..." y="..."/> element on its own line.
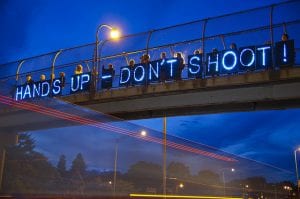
<point x="181" y="185"/>
<point x="143" y="133"/>
<point x="232" y="169"/>
<point x="115" y="33"/>
<point x="287" y="188"/>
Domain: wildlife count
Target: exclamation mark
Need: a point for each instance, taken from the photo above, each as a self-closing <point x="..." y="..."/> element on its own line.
<point x="284" y="53"/>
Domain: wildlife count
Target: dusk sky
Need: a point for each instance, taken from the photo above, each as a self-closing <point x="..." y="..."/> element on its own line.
<point x="34" y="27"/>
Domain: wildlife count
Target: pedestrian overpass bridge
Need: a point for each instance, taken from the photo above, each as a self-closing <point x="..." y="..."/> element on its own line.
<point x="266" y="88"/>
<point x="263" y="85"/>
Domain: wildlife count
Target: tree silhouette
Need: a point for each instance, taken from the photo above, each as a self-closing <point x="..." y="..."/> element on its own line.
<point x="77" y="174"/>
<point x="78" y="166"/>
<point x="27" y="171"/>
<point x="61" y="165"/>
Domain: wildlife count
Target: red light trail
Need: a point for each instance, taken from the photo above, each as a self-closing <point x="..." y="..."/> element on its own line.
<point x="93" y="123"/>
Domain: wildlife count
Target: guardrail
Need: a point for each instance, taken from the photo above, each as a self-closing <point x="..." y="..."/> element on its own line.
<point x="250" y="27"/>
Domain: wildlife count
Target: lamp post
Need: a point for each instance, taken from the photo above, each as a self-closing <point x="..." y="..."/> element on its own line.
<point x="296" y="167"/>
<point x="223" y="176"/>
<point x="114" y="34"/>
<point x="143" y="133"/>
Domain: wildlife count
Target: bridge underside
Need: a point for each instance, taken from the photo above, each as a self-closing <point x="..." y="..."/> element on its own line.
<point x="244" y="92"/>
<point x="195" y="110"/>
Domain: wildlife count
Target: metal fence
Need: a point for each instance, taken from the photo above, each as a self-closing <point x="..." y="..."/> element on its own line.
<point x="245" y="28"/>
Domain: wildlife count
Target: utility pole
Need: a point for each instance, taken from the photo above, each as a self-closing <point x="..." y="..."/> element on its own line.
<point x="2" y="160"/>
<point x="6" y="139"/>
<point x="115" y="167"/>
<point x="165" y="156"/>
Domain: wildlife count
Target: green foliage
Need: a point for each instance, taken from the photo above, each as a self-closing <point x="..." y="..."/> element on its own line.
<point x="78" y="167"/>
<point x="61" y="166"/>
<point x="77" y="175"/>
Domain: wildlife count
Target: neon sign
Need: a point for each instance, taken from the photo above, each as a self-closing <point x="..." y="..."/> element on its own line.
<point x="38" y="89"/>
<point x="244" y="59"/>
<point x="46" y="88"/>
<point x="80" y="83"/>
<point x="224" y="62"/>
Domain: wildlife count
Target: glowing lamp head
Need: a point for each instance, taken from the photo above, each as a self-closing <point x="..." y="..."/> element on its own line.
<point x="115" y="34"/>
<point x="232" y="170"/>
<point x="143" y="133"/>
<point x="181" y="185"/>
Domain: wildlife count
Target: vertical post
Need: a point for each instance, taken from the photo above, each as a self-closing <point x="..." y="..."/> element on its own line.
<point x="165" y="155"/>
<point x="115" y="168"/>
<point x="6" y="139"/>
<point x="148" y="41"/>
<point x="2" y="160"/>
<point x="224" y="185"/>
<point x="98" y="75"/>
<point x="95" y="65"/>
<point x="203" y="43"/>
<point x="223" y="41"/>
<point x="297" y="174"/>
<point x="272" y="36"/>
<point x="147" y="49"/>
<point x="96" y="51"/>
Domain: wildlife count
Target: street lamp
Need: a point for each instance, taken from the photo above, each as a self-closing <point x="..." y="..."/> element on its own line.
<point x="143" y="133"/>
<point x="223" y="175"/>
<point x="296" y="166"/>
<point x="114" y="35"/>
<point x="179" y="186"/>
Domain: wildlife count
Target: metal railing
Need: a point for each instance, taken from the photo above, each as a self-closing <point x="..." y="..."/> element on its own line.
<point x="245" y="28"/>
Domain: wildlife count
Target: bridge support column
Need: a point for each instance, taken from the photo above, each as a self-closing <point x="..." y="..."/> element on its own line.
<point x="6" y="140"/>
